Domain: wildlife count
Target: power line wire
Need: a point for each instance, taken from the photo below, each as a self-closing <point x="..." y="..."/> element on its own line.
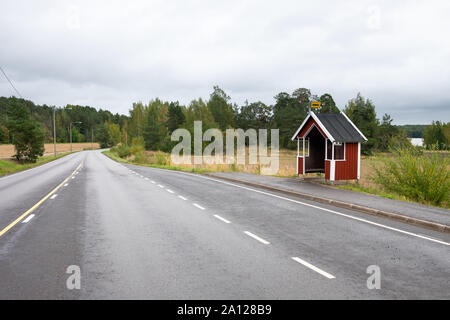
<point x="10" y="82"/>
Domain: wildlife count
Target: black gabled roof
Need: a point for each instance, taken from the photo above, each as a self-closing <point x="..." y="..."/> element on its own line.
<point x="340" y="127"/>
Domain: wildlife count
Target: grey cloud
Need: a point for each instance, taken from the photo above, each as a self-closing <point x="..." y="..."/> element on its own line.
<point x="109" y="54"/>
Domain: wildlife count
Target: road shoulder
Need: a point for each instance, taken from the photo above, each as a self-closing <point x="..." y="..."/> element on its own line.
<point x="415" y="214"/>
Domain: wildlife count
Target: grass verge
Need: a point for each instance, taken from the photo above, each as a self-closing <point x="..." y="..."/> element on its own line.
<point x="373" y="190"/>
<point x="12" y="166"/>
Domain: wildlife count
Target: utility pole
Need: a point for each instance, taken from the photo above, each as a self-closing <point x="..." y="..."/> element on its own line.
<point x="54" y="132"/>
<point x="70" y="135"/>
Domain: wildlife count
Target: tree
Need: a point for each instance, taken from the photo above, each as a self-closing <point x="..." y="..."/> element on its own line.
<point x="4" y="134"/>
<point x="221" y="110"/>
<point x="28" y="137"/>
<point x="175" y="117"/>
<point x="302" y="96"/>
<point x="137" y="118"/>
<point x="446" y="132"/>
<point x="390" y="136"/>
<point x="124" y="133"/>
<point x="289" y="112"/>
<point x="152" y="129"/>
<point x="89" y="117"/>
<point x="198" y="111"/>
<point x="327" y="104"/>
<point x="434" y="137"/>
<point x="76" y="135"/>
<point x="103" y="136"/>
<point x="362" y="113"/>
<point x="255" y="115"/>
<point x="413" y="130"/>
<point x="114" y="133"/>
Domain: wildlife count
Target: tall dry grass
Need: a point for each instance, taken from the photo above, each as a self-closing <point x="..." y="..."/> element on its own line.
<point x="7" y="150"/>
<point x="419" y="177"/>
<point x="136" y="154"/>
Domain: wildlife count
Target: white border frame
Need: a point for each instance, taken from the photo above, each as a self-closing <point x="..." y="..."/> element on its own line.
<point x="332" y="152"/>
<point x="321" y="126"/>
<point x="358" y="175"/>
<point x="298" y="152"/>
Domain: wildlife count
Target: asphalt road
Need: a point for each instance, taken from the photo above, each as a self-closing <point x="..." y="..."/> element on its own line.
<point x="146" y="233"/>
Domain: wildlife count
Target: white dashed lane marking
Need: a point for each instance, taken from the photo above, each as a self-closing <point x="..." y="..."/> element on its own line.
<point x="199" y="206"/>
<point x="53" y="196"/>
<point x="318" y="270"/>
<point x="181" y="197"/>
<point x="254" y="236"/>
<point x="28" y="219"/>
<point x="168" y="190"/>
<point x="222" y="219"/>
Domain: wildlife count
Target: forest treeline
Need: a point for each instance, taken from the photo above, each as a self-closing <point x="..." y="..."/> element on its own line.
<point x="153" y="123"/>
<point x="85" y="120"/>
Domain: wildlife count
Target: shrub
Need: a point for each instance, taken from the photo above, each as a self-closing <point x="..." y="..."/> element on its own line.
<point x="161" y="158"/>
<point x="135" y="149"/>
<point x="122" y="151"/>
<point x="140" y="157"/>
<point x="423" y="178"/>
<point x="137" y="146"/>
<point x="29" y="142"/>
<point x="138" y="141"/>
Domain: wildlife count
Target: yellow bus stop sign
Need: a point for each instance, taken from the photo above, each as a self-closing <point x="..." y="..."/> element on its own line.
<point x="315" y="104"/>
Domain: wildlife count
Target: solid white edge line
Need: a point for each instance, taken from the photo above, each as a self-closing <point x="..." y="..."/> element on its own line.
<point x="320" y="208"/>
<point x="198" y="206"/>
<point x="220" y="218"/>
<point x="28" y="218"/>
<point x="254" y="236"/>
<point x="181" y="197"/>
<point x="53" y="196"/>
<point x="310" y="266"/>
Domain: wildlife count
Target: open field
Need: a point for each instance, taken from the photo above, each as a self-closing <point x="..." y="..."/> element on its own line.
<point x="7" y="150"/>
<point x="287" y="164"/>
<point x="8" y="166"/>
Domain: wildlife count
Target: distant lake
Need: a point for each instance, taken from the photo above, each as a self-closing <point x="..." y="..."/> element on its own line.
<point x="417" y="142"/>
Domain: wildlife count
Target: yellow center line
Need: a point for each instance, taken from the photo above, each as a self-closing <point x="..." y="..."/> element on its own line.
<point x="12" y="224"/>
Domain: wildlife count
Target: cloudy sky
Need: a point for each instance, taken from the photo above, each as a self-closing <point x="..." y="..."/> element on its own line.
<point x="108" y="54"/>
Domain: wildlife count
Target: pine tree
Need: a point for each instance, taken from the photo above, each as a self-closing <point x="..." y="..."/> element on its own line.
<point x="27" y="136"/>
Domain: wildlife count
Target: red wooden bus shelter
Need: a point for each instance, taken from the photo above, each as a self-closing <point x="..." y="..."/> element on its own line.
<point x="329" y="143"/>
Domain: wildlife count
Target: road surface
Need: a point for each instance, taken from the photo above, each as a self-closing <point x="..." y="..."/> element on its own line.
<point x="146" y="233"/>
